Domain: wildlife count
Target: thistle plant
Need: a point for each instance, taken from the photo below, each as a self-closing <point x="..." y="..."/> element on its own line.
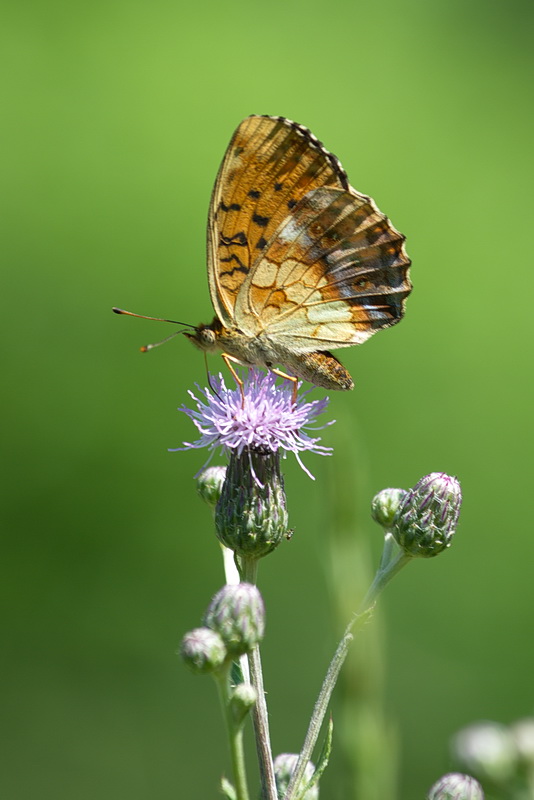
<point x="456" y="786"/>
<point x="255" y="427"/>
<point x="500" y="756"/>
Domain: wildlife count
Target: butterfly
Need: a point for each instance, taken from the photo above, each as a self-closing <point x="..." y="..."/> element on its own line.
<point x="299" y="262"/>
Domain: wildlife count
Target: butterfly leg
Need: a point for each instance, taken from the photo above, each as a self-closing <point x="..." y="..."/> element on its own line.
<point x="227" y="358"/>
<point x="288" y="378"/>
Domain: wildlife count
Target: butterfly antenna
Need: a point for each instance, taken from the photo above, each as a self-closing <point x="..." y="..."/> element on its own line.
<point x="156" y="319"/>
<point x="146" y="347"/>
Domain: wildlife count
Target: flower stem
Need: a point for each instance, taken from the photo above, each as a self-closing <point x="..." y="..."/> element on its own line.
<point x="390" y="564"/>
<point x="393" y="560"/>
<point x="319" y="711"/>
<point x="231" y="572"/>
<point x="249" y="569"/>
<point x="235" y="736"/>
<point x="232" y="577"/>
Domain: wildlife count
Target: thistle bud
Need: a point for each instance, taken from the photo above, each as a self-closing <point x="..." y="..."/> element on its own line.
<point x="523" y="733"/>
<point x="487" y="750"/>
<point x="455" y="786"/>
<point x="237" y="614"/>
<point x="243" y="698"/>
<point x="203" y="650"/>
<point x="284" y="766"/>
<point x="426" y="518"/>
<point x="210" y="483"/>
<point x="251" y="516"/>
<point x="384" y="506"/>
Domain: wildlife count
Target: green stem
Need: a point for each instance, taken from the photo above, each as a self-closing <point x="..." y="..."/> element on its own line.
<point x="260" y="719"/>
<point x="392" y="562"/>
<point x="231" y="572"/>
<point x="319" y="711"/>
<point x="390" y="565"/>
<point x="235" y="736"/>
<point x="232" y="577"/>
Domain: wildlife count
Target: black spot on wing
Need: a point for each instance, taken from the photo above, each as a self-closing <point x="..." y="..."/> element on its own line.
<point x="261" y="221"/>
<point x="231" y="207"/>
<point x="240" y="266"/>
<point x="238" y="239"/>
<point x="254" y="194"/>
<point x="261" y="243"/>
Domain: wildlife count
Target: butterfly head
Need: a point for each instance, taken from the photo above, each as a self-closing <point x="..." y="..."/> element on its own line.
<point x="205" y="336"/>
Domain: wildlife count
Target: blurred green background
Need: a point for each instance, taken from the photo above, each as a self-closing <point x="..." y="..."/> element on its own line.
<point x="115" y="116"/>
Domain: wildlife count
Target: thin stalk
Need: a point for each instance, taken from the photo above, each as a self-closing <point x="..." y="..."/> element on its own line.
<point x="386" y="571"/>
<point x="260" y="719"/>
<point x="231" y="573"/>
<point x="232" y="577"/>
<point x="390" y="564"/>
<point x="235" y="737"/>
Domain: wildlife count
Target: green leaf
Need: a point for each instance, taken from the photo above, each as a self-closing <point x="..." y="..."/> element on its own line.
<point x="227" y="789"/>
<point x="236" y="674"/>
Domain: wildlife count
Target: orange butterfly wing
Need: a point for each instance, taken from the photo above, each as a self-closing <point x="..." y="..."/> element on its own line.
<point x="332" y="274"/>
<point x="269" y="165"/>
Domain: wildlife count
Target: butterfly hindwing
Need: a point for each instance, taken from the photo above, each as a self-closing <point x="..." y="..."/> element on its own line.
<point x="333" y="273"/>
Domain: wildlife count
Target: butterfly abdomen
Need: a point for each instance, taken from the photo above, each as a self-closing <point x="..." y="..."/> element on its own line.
<point x="322" y="369"/>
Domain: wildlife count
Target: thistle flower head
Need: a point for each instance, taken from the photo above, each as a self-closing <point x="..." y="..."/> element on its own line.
<point x="487" y="750"/>
<point x="427" y="516"/>
<point x="237" y="614"/>
<point x="209" y="484"/>
<point x="284" y="766"/>
<point x="242" y="699"/>
<point x="384" y="505"/>
<point x="251" y="514"/>
<point x="203" y="650"/>
<point x="455" y="786"/>
<point x="264" y="417"/>
<point x="523" y="733"/>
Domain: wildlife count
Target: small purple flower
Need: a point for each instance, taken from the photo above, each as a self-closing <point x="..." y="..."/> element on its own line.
<point x="267" y="420"/>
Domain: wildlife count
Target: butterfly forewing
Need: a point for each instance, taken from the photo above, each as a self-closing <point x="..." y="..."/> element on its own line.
<point x="270" y="164"/>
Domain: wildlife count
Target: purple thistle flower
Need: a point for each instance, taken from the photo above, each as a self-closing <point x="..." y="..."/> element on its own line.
<point x="266" y="421"/>
<point x="427" y="515"/>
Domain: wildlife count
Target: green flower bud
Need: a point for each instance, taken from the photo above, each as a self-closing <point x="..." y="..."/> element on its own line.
<point x="523" y="733"/>
<point x="237" y="614"/>
<point x="426" y="518"/>
<point x="243" y="698"/>
<point x="284" y="766"/>
<point x="384" y="506"/>
<point x="487" y="750"/>
<point x="455" y="786"/>
<point x="251" y="517"/>
<point x="203" y="650"/>
<point x="210" y="483"/>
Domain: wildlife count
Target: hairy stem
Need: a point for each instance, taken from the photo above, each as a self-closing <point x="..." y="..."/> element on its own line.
<point x="392" y="561"/>
<point x="249" y="568"/>
<point x="235" y="737"/>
